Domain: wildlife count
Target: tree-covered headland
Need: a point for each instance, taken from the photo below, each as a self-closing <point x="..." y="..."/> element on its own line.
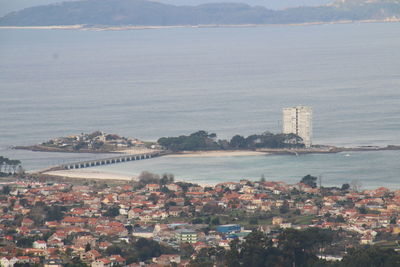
<point x="202" y="140"/>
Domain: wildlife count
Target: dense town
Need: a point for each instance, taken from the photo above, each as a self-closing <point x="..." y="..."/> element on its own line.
<point x="156" y="221"/>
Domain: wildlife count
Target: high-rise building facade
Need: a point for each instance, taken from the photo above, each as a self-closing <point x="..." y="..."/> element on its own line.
<point x="298" y="120"/>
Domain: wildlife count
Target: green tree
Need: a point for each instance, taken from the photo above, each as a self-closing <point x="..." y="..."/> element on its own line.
<point x="113" y="250"/>
<point x="154" y="198"/>
<point x="147" y="248"/>
<point x="309" y="180"/>
<point x="253" y="220"/>
<point x="25" y="242"/>
<point x="88" y="247"/>
<point x="54" y="213"/>
<point x="300" y="247"/>
<point x="203" y="259"/>
<point x="215" y="221"/>
<point x="233" y="255"/>
<point x="76" y="262"/>
<point x="112" y="212"/>
<point x="284" y="208"/>
<point x="6" y="190"/>
<point x="370" y="257"/>
<point x="186" y="250"/>
<point x="197" y="221"/>
<point x="38" y="213"/>
<point x="238" y="142"/>
<point x="345" y="187"/>
<point x="257" y="251"/>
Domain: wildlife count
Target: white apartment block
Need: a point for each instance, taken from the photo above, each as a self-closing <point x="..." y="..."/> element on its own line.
<point x="298" y="120"/>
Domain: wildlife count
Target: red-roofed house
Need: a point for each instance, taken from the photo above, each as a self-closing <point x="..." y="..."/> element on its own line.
<point x="101" y="263"/>
<point x="153" y="187"/>
<point x="75" y="221"/>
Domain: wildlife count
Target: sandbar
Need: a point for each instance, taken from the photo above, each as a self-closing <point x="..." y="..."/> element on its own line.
<point x="103" y="175"/>
<point x="90" y="174"/>
<point x="137" y="151"/>
<point x="147" y="27"/>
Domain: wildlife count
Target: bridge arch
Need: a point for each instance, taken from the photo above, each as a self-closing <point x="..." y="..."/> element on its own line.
<point x="118" y="159"/>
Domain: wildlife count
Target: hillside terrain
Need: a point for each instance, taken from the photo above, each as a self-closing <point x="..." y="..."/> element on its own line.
<point x="147" y="13"/>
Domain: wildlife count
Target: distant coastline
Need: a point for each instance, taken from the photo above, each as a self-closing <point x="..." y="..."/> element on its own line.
<point x="144" y="14"/>
<point x="155" y="27"/>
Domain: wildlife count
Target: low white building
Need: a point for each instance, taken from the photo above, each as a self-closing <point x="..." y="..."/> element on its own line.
<point x="8" y="261"/>
<point x="40" y="244"/>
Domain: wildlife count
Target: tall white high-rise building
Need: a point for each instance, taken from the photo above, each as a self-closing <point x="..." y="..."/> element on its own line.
<point x="298" y="120"/>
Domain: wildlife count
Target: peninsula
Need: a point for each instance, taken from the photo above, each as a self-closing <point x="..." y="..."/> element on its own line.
<point x="199" y="143"/>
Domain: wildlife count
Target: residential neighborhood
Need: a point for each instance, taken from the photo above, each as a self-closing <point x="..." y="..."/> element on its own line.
<point x="166" y="223"/>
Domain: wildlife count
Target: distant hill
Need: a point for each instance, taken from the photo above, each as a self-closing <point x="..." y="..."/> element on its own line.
<point x="146" y="13"/>
<point x="7" y="6"/>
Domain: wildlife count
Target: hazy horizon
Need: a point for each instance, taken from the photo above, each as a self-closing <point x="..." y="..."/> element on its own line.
<point x="7" y="6"/>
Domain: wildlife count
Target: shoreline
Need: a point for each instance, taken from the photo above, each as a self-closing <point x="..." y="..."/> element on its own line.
<point x="100" y="176"/>
<point x="317" y="149"/>
<point x="109" y="175"/>
<point x="152" y="27"/>
<point x="41" y="148"/>
<point x="215" y="153"/>
<point x="328" y="149"/>
<point x="90" y="174"/>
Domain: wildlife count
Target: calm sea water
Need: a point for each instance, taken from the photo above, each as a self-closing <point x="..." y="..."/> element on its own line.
<point x="152" y="83"/>
<point x="371" y="169"/>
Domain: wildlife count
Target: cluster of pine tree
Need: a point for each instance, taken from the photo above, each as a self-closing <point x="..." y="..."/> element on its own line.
<point x="9" y="166"/>
<point x="202" y="140"/>
<point x="292" y="248"/>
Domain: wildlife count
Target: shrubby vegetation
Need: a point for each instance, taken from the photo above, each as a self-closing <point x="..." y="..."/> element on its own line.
<point x="203" y="140"/>
<point x="9" y="166"/>
<point x="40" y="213"/>
<point x="309" y="180"/>
<point x="141" y="250"/>
<point x="370" y="257"/>
<point x="151" y="178"/>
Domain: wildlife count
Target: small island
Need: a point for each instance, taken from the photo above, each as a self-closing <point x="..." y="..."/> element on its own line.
<point x="96" y="142"/>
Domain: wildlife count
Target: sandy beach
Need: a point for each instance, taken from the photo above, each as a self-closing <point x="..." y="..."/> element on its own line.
<point x="103" y="175"/>
<point x="150" y="27"/>
<point x="137" y="151"/>
<point x="90" y="174"/>
<point x="191" y="154"/>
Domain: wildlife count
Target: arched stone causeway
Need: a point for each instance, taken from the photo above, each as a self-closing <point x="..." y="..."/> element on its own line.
<point x="99" y="162"/>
